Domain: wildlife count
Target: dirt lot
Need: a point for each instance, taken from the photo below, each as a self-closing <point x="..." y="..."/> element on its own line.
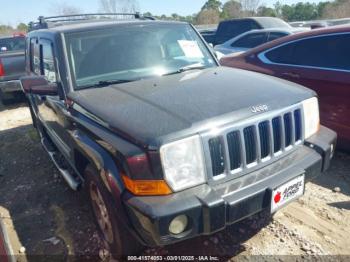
<point x="46" y="218"/>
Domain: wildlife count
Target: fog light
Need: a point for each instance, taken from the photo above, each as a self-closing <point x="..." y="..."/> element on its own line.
<point x="178" y="224"/>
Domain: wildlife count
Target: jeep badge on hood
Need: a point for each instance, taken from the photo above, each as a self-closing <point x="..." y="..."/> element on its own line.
<point x="259" y="108"/>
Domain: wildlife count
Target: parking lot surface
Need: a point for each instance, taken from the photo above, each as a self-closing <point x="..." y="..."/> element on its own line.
<point x="45" y="218"/>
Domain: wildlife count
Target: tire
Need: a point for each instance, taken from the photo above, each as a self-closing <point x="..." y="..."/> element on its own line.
<point x="118" y="239"/>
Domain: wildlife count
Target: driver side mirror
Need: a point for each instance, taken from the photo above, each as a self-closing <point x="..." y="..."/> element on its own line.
<point x="38" y="85"/>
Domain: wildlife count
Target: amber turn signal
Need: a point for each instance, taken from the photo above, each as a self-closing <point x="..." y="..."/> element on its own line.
<point x="147" y="187"/>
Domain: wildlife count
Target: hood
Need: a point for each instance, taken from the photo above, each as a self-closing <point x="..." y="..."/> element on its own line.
<point x="164" y="108"/>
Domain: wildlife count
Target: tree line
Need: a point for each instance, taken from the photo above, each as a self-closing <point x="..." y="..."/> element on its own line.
<point x="214" y="11"/>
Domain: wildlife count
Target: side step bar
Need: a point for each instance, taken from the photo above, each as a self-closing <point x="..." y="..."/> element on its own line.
<point x="67" y="175"/>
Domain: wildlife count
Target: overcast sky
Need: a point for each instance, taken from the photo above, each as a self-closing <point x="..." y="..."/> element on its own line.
<point x="14" y="11"/>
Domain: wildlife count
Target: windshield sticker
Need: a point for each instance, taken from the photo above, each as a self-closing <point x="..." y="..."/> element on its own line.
<point x="191" y="49"/>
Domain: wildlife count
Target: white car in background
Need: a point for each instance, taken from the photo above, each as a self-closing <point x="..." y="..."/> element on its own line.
<point x="254" y="38"/>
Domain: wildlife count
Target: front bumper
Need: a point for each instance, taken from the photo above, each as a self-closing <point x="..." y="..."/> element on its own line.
<point x="212" y="208"/>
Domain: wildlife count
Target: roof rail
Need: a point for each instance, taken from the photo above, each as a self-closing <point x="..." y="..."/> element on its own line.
<point x="46" y="22"/>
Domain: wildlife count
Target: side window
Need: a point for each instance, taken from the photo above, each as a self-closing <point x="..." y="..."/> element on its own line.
<point x="323" y="52"/>
<point x="48" y="64"/>
<point x="34" y="56"/>
<point x="231" y="29"/>
<point x="276" y="35"/>
<point x="250" y="40"/>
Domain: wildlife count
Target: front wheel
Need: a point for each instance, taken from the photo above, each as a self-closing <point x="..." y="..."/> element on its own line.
<point x="119" y="240"/>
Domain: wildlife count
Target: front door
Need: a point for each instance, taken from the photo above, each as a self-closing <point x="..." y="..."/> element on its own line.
<point x="52" y="109"/>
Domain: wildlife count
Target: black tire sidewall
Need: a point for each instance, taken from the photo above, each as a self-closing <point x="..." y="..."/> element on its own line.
<point x="123" y="243"/>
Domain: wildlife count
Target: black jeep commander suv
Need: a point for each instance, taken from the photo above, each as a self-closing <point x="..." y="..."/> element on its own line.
<point x="168" y="144"/>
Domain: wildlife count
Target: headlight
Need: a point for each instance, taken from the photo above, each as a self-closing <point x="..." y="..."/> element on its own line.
<point x="311" y="117"/>
<point x="183" y="163"/>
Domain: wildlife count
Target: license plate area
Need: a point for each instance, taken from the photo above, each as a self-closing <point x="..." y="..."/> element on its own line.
<point x="287" y="192"/>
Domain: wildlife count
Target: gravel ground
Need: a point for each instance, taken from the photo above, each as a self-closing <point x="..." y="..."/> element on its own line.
<point x="45" y="218"/>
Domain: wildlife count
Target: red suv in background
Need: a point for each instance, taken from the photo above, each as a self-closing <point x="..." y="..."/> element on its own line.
<point x="318" y="59"/>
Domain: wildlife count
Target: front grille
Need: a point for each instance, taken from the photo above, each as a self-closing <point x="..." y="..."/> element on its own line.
<point x="240" y="148"/>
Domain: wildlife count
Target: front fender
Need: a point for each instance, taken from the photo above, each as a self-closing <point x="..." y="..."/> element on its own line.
<point x="103" y="162"/>
<point x="108" y="172"/>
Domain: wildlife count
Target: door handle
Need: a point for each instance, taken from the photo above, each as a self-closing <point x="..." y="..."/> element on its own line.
<point x="291" y="74"/>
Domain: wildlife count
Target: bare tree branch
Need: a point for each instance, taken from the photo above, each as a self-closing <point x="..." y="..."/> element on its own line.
<point x="207" y="17"/>
<point x="123" y="6"/>
<point x="62" y="8"/>
<point x="250" y="7"/>
<point x="340" y="9"/>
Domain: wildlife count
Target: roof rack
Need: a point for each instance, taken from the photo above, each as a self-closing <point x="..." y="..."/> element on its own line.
<point x="51" y="21"/>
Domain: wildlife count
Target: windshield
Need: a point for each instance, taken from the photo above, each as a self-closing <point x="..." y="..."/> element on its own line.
<point x="133" y="52"/>
<point x="12" y="44"/>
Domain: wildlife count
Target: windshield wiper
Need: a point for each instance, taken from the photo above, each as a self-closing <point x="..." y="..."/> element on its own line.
<point x="186" y="68"/>
<point x="105" y="83"/>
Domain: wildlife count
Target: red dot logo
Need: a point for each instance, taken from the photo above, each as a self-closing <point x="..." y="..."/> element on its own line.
<point x="277" y="197"/>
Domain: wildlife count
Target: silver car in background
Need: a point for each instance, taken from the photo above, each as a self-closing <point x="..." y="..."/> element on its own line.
<point x="254" y="38"/>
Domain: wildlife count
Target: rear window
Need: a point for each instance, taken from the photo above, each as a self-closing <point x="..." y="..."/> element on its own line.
<point x="251" y="40"/>
<point x="324" y="52"/>
<point x="12" y="44"/>
<point x="276" y="35"/>
<point x="231" y="29"/>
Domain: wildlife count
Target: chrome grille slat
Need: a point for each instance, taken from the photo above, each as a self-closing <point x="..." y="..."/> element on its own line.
<point x="244" y="147"/>
<point x="293" y="128"/>
<point x="283" y="133"/>
<point x="272" y="140"/>
<point x="243" y="153"/>
<point x="258" y="143"/>
<point x="227" y="155"/>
